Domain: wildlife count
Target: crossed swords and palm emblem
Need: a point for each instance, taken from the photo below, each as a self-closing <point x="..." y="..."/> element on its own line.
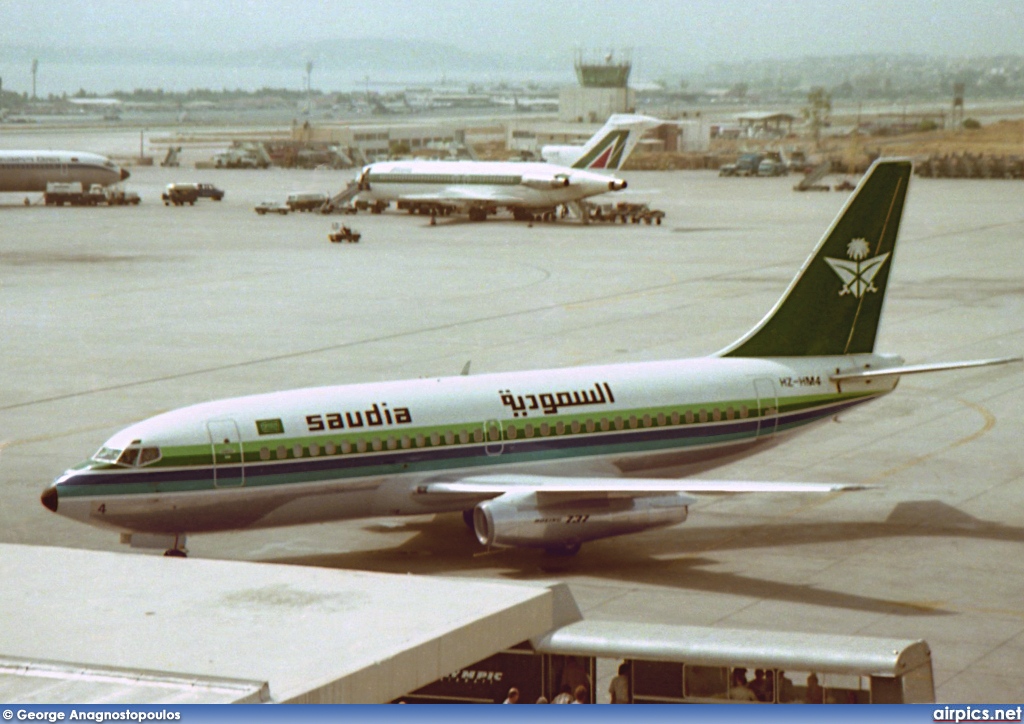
<point x="857" y="272"/>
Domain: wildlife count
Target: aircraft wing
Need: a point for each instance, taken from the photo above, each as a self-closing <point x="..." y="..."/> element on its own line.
<point x="462" y="195"/>
<point x="492" y="486"/>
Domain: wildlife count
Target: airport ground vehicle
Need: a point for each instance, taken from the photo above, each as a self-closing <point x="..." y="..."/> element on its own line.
<point x="118" y="197"/>
<point x="771" y="167"/>
<point x="171" y="159"/>
<point x="240" y="158"/>
<point x="72" y="194"/>
<point x="187" y="193"/>
<point x="624" y="212"/>
<point x="306" y="201"/>
<point x="344" y="233"/>
<point x="746" y="165"/>
<point x="374" y="207"/>
<point x="58" y="194"/>
<point x="272" y="207"/>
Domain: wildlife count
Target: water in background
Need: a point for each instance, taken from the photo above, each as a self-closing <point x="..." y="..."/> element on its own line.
<point x="69" y="78"/>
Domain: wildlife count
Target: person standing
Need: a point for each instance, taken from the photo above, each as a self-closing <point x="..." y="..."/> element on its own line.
<point x="618" y="689"/>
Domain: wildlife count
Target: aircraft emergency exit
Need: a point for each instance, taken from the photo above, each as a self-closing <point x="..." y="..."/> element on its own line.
<point x="533" y="458"/>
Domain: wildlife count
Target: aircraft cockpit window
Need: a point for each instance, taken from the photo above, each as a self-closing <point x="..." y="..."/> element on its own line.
<point x="107" y="455"/>
<point x="149" y="455"/>
<point x="129" y="457"/>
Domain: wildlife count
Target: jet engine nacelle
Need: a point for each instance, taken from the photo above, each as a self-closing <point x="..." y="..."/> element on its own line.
<point x="519" y="521"/>
<point x="544" y="182"/>
<point x="561" y="155"/>
<point x="616" y="184"/>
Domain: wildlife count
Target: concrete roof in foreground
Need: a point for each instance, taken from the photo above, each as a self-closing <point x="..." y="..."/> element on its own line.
<point x="99" y="627"/>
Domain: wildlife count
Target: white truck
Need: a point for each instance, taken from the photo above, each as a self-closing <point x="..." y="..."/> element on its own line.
<point x="306" y="200"/>
<point x="72" y="194"/>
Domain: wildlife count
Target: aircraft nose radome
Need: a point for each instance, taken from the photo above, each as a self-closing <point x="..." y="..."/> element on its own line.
<point x="49" y="498"/>
<point x="124" y="174"/>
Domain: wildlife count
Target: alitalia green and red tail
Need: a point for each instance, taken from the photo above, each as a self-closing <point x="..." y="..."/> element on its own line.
<point x="834" y="304"/>
<point x="610" y="147"/>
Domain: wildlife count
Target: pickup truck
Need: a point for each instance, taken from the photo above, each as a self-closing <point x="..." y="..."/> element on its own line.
<point x="746" y="165"/>
<point x="179" y="194"/>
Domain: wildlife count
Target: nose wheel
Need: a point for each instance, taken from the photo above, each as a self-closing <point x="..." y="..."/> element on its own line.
<point x="177" y="549"/>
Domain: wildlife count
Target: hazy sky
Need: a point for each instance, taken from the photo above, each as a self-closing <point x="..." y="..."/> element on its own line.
<point x="700" y="29"/>
<point x="668" y="37"/>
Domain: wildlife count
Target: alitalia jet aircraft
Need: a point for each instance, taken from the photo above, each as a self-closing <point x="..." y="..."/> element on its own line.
<point x="480" y="188"/>
<point x="531" y="458"/>
<point x="607" y="149"/>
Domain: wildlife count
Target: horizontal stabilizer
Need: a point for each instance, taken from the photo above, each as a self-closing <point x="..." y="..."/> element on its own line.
<point x="917" y="369"/>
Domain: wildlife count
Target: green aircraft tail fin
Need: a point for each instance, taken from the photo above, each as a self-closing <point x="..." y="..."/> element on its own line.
<point x="833" y="305"/>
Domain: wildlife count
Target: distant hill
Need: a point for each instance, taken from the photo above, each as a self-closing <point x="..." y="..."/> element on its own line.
<point x="353" y="54"/>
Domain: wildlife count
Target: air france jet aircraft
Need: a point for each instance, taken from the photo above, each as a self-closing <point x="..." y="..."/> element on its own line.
<point x="531" y="458"/>
<point x="480" y="188"/>
<point x="32" y="170"/>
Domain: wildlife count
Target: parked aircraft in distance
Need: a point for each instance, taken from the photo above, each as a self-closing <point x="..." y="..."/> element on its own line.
<point x="481" y="188"/>
<point x="607" y="149"/>
<point x="32" y="170"/>
<point x="542" y="458"/>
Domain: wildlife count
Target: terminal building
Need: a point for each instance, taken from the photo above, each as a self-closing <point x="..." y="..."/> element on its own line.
<point x="118" y="628"/>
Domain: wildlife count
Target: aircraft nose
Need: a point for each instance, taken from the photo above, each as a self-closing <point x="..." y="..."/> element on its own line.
<point x="49" y="498"/>
<point x="124" y="174"/>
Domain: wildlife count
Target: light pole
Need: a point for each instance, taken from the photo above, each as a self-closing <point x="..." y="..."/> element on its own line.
<point x="309" y="98"/>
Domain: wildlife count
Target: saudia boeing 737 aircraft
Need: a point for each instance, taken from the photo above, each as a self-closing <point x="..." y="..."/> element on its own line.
<point x="533" y="458"/>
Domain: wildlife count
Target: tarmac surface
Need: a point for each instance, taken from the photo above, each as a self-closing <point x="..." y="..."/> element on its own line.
<point x="111" y="315"/>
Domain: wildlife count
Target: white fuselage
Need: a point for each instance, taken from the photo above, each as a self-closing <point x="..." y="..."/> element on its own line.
<point x="33" y="170"/>
<point x="497" y="184"/>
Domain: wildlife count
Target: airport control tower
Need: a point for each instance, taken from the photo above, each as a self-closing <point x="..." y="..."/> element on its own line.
<point x="603" y="87"/>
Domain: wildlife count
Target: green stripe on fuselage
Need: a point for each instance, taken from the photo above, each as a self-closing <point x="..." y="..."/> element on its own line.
<point x="185" y="457"/>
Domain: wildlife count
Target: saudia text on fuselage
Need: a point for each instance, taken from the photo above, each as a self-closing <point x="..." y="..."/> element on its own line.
<point x="376" y="416"/>
<point x="549" y="403"/>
